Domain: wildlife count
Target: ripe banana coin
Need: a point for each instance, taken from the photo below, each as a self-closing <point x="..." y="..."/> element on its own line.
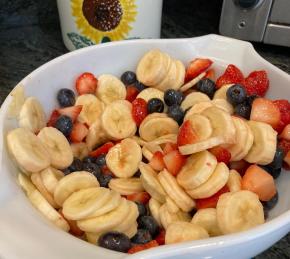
<point x="126" y="186"/>
<point x="149" y="93"/>
<point x="234" y="182"/>
<point x="50" y="177"/>
<point x="192" y="99"/>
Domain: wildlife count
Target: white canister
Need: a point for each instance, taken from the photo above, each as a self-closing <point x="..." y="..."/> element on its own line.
<point x="88" y="22"/>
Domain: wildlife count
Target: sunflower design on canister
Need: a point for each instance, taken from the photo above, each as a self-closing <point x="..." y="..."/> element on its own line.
<point x="104" y="20"/>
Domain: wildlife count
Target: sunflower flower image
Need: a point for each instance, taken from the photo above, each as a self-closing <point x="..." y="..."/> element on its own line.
<point x="104" y="20"/>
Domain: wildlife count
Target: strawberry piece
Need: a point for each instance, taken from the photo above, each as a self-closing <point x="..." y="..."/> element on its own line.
<point x="142" y="197"/>
<point x="79" y="132"/>
<point x="161" y="237"/>
<point x="196" y="67"/>
<point x="210" y="74"/>
<point x="287" y="159"/>
<point x="72" y="111"/>
<point x="284" y="145"/>
<point x="186" y="134"/>
<point x="139" y="248"/>
<point x="232" y="75"/>
<point x="174" y="161"/>
<point x="132" y="93"/>
<point x="104" y="149"/>
<point x="221" y="154"/>
<point x="257" y="83"/>
<point x="139" y="110"/>
<point x="284" y="108"/>
<point x="86" y="83"/>
<point x="53" y="118"/>
<point x="211" y="201"/>
<point x="157" y="162"/>
<point x="285" y="133"/>
<point x="169" y="147"/>
<point x="264" y="110"/>
<point x="240" y="166"/>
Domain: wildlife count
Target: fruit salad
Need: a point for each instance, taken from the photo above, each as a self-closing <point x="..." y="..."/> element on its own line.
<point x="164" y="154"/>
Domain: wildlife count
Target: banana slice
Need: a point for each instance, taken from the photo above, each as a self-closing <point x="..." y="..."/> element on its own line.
<point x="27" y="150"/>
<point x="149" y="93"/>
<point x="117" y="120"/>
<point x="40" y="203"/>
<point x="184" y="231"/>
<point x="82" y="204"/>
<point x="25" y="183"/>
<point x="221" y="93"/>
<point x="79" y="150"/>
<point x="201" y="126"/>
<point x="194" y="98"/>
<point x="235" y="181"/>
<point x="92" y="108"/>
<point x="217" y="180"/>
<point x="238" y="211"/>
<point x="73" y="182"/>
<point x="126" y="186"/>
<point x="31" y="115"/>
<point x="171" y="205"/>
<point x="170" y="78"/>
<point x="207" y="218"/>
<point x="123" y="159"/>
<point x="193" y="82"/>
<point x="139" y="141"/>
<point x="175" y="192"/>
<point x="131" y="231"/>
<point x="166" y="217"/>
<point x="180" y="74"/>
<point x="151" y="183"/>
<point x="168" y="138"/>
<point x="96" y="135"/>
<point x="154" y="206"/>
<point x="149" y="149"/>
<point x="110" y="89"/>
<point x="58" y="147"/>
<point x="224" y="105"/>
<point x="198" y="108"/>
<point x="50" y="177"/>
<point x="18" y="99"/>
<point x="197" y="170"/>
<point x="265" y="141"/>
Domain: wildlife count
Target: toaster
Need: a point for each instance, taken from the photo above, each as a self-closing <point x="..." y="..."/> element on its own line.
<point x="265" y="21"/>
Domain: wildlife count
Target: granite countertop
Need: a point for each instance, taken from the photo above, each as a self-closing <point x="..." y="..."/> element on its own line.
<point x="30" y="36"/>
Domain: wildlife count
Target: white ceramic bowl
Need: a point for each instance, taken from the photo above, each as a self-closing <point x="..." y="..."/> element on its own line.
<point x="26" y="234"/>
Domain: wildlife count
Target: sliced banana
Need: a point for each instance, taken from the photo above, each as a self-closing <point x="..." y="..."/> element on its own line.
<point x="126" y="186"/>
<point x="216" y="181"/>
<point x="27" y="150"/>
<point x="123" y="159"/>
<point x="221" y="93"/>
<point x="198" y="108"/>
<point x="197" y="170"/>
<point x="171" y="205"/>
<point x="58" y="147"/>
<point x="25" y="183"/>
<point x="72" y="183"/>
<point x="96" y="135"/>
<point x="139" y="141"/>
<point x="149" y="149"/>
<point x="154" y="206"/>
<point x="180" y="74"/>
<point x="166" y="217"/>
<point x="239" y="211"/>
<point x="31" y="115"/>
<point x="192" y="99"/>
<point x="170" y="79"/>
<point x="201" y="126"/>
<point x="234" y="182"/>
<point x="149" y="93"/>
<point x="50" y="177"/>
<point x="18" y="99"/>
<point x="168" y="138"/>
<point x="117" y="120"/>
<point x="193" y="82"/>
<point x="79" y="150"/>
<point x="224" y="105"/>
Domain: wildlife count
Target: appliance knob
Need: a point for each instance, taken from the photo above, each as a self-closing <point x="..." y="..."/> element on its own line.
<point x="247" y="3"/>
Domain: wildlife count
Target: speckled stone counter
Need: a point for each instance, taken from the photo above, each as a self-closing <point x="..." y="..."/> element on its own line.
<point x="30" y="36"/>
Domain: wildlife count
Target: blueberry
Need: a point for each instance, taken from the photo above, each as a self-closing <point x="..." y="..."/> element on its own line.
<point x="266" y="212"/>
<point x="271" y="203"/>
<point x="137" y="174"/>
<point x="116" y="241"/>
<point x="142" y="209"/>
<point x="243" y="110"/>
<point x="101" y="160"/>
<point x="274" y="172"/>
<point x="104" y="180"/>
<point x="66" y="97"/>
<point x="64" y="124"/>
<point x="92" y="168"/>
<point x="176" y="113"/>
<point x="192" y="212"/>
<point x="278" y="159"/>
<point x="66" y="171"/>
<point x="251" y="98"/>
<point x="149" y="223"/>
<point x="172" y="97"/>
<point x="142" y="236"/>
<point x="140" y="87"/>
<point x="89" y="159"/>
<point x="128" y="78"/>
<point x="155" y="105"/>
<point x="206" y="86"/>
<point x="236" y="94"/>
<point x="76" y="165"/>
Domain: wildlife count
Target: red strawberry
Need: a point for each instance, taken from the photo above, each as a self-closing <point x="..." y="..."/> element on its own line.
<point x="132" y="93"/>
<point x="86" y="83"/>
<point x="285" y="133"/>
<point x="53" y="118"/>
<point x="287" y="158"/>
<point x="142" y="197"/>
<point x="139" y="248"/>
<point x="211" y="201"/>
<point x="161" y="237"/>
<point x="196" y="67"/>
<point x="104" y="149"/>
<point x="169" y="147"/>
<point x="186" y="134"/>
<point x="139" y="110"/>
<point x="240" y="166"/>
<point x="284" y="107"/>
<point x="79" y="132"/>
<point x="210" y="74"/>
<point x="257" y="83"/>
<point x="232" y="75"/>
<point x="174" y="161"/>
<point x="221" y="154"/>
<point x="264" y="110"/>
<point x="157" y="162"/>
<point x="284" y="145"/>
<point x="72" y="111"/>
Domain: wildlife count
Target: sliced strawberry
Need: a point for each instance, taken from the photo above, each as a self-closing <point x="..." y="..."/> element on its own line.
<point x="139" y="248"/>
<point x="287" y="158"/>
<point x="86" y="83"/>
<point x="104" y="149"/>
<point x="240" y="166"/>
<point x="264" y="110"/>
<point x="232" y="75"/>
<point x="139" y="110"/>
<point x="221" y="154"/>
<point x="169" y="147"/>
<point x="142" y="197"/>
<point x="72" y="111"/>
<point x="156" y="162"/>
<point x="174" y="161"/>
<point x="211" y="201"/>
<point x="161" y="237"/>
<point x="79" y="132"/>
<point x="284" y="107"/>
<point x="196" y="67"/>
<point x="285" y="133"/>
<point x="257" y="83"/>
<point x="186" y="134"/>
<point x="210" y="74"/>
<point x="53" y="118"/>
<point x="132" y="93"/>
<point x="284" y="145"/>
